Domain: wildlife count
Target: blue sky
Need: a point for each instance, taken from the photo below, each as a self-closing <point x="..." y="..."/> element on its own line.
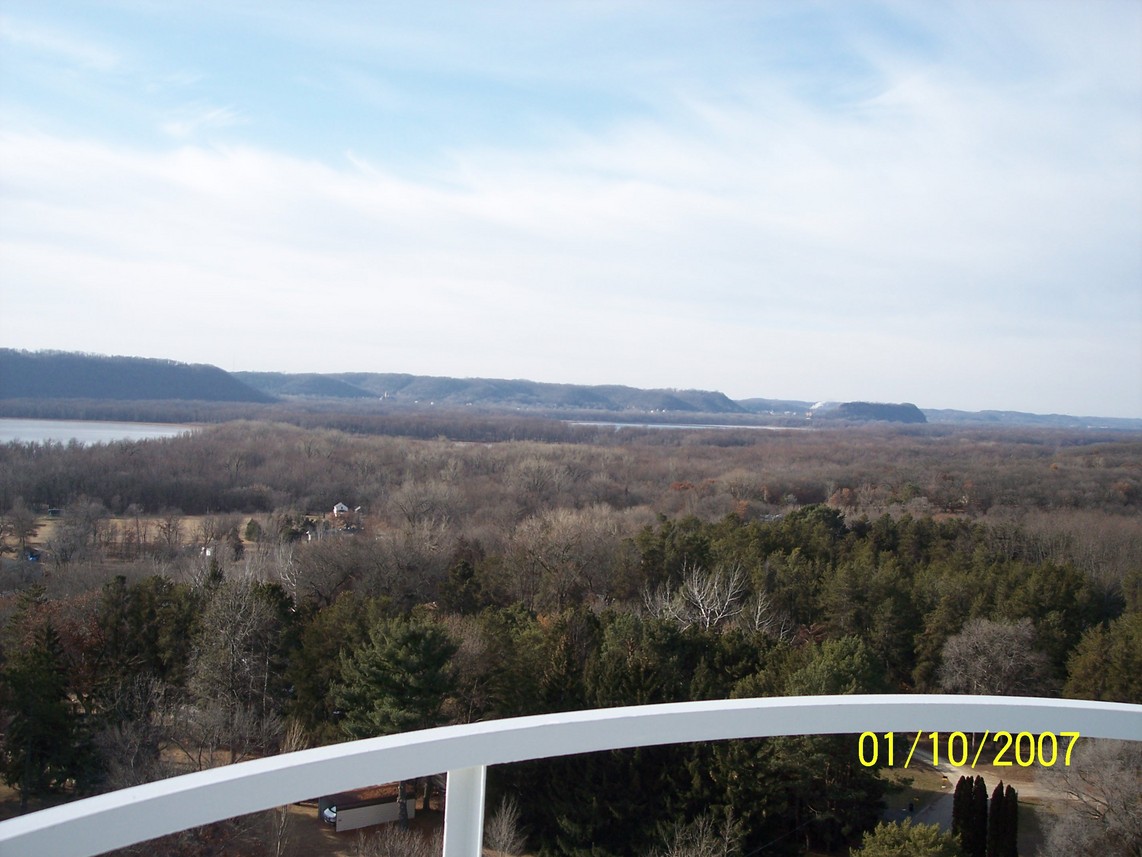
<point x="930" y="202"/>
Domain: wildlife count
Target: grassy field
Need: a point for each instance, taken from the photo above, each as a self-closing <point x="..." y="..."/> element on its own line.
<point x="191" y="528"/>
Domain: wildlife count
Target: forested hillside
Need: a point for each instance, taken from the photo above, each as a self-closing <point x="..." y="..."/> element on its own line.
<point x="197" y="602"/>
<point x="403" y="389"/>
<point x="860" y="411"/>
<point x="66" y="375"/>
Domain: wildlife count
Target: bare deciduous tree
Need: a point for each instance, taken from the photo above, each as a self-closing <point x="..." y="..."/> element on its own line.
<point x="502" y="834"/>
<point x="20" y="523"/>
<point x="994" y="658"/>
<point x="475" y="664"/>
<point x="170" y="531"/>
<point x="761" y="616"/>
<point x="79" y="532"/>
<point x="418" y="502"/>
<point x="277" y="819"/>
<point x="234" y="670"/>
<point x="409" y="563"/>
<point x="131" y="749"/>
<point x="213" y="529"/>
<point x="706" y="836"/>
<point x="561" y="556"/>
<point x="1105" y="818"/>
<point x="704" y="598"/>
<point x="536" y="480"/>
<point x="317" y="572"/>
<point x="392" y="840"/>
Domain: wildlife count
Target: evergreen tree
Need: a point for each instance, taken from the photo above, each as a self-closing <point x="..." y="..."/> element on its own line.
<point x="146" y="628"/>
<point x="969" y="815"/>
<point x="314" y="667"/>
<point x="961" y="809"/>
<point x="838" y="666"/>
<point x="398" y="682"/>
<point x="614" y="802"/>
<point x="1107" y="662"/>
<point x="996" y="822"/>
<point x="908" y="840"/>
<point x="1008" y="845"/>
<point x="975" y="836"/>
<point x="43" y="746"/>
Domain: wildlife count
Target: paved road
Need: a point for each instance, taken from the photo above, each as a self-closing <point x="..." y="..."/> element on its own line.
<point x="939" y="811"/>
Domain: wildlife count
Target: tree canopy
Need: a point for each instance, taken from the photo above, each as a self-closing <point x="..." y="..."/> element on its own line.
<point x="908" y="840"/>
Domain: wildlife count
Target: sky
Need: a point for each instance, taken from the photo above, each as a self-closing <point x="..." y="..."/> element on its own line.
<point x="936" y="202"/>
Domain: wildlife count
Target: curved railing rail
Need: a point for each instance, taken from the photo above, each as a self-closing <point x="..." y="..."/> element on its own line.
<point x="114" y="820"/>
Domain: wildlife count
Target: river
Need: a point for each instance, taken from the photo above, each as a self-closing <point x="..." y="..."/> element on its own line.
<point x="679" y="426"/>
<point x="84" y="431"/>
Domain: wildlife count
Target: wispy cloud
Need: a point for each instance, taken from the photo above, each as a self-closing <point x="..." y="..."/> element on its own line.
<point x="193" y="120"/>
<point x="58" y="45"/>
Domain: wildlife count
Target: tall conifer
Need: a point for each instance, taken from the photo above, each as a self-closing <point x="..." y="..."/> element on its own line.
<point x="996" y="822"/>
<point x="961" y="807"/>
<point x="43" y="746"/>
<point x="396" y="683"/>
<point x="1009" y="846"/>
<point x="975" y="831"/>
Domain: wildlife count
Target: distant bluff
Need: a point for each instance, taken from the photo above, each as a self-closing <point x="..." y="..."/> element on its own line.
<point x="70" y="375"/>
<point x="406" y="390"/>
<point x="905" y="412"/>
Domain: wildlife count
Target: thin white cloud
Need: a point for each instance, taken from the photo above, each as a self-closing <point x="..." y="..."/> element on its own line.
<point x="58" y="45"/>
<point x="194" y="120"/>
<point x="501" y="263"/>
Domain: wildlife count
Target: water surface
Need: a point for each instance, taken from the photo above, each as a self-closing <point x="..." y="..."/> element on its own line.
<point x="83" y="431"/>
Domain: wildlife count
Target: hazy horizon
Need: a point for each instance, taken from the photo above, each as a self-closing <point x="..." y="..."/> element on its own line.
<point x="879" y="201"/>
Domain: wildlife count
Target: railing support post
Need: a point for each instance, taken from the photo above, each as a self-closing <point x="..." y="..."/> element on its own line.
<point x="464" y="812"/>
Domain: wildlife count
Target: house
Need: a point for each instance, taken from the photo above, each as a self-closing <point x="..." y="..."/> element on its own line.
<point x="339" y="510"/>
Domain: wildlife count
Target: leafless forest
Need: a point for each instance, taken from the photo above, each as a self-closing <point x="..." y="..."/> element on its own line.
<point x="196" y="601"/>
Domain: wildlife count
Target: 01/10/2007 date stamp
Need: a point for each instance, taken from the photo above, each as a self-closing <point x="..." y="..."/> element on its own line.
<point x="1021" y="748"/>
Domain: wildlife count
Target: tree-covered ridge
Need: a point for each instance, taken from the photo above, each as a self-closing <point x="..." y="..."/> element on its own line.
<point x="33" y="385"/>
<point x="67" y="375"/>
<point x="895" y="413"/>
<point x="304" y="384"/>
<point x="70" y="385"/>
<point x="403" y="389"/>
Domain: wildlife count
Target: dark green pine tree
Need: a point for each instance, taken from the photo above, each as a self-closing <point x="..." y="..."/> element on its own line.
<point x="612" y="803"/>
<point x="398" y="682"/>
<point x="42" y="746"/>
<point x="961" y="810"/>
<point x="1009" y="846"/>
<point x="996" y="822"/>
<point x="975" y="842"/>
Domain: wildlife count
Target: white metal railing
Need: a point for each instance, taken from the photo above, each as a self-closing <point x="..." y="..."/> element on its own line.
<point x="98" y="824"/>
